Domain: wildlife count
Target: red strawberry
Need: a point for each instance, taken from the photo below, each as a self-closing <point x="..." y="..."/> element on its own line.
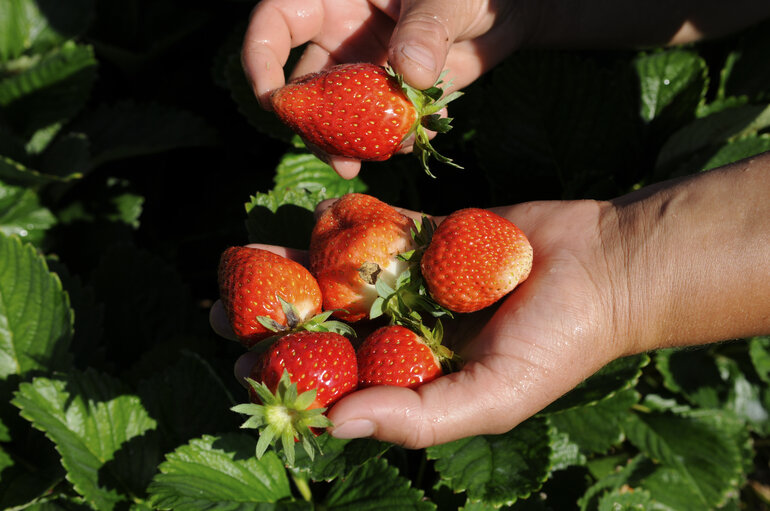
<point x="324" y="361"/>
<point x="362" y="111"/>
<point x="355" y="242"/>
<point x="396" y="355"/>
<point x="293" y="382"/>
<point x="250" y="282"/>
<point x="475" y="258"/>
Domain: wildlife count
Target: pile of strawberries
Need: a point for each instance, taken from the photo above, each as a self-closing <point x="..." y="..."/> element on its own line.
<point x="368" y="263"/>
<point x="370" y="267"/>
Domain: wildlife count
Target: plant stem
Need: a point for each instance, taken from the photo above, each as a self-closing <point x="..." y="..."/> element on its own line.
<point x="303" y="487"/>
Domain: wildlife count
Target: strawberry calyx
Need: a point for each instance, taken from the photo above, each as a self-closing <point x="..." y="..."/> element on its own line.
<point x="318" y="323"/>
<point x="433" y="338"/>
<point x="409" y="296"/>
<point x="427" y="103"/>
<point x="284" y="416"/>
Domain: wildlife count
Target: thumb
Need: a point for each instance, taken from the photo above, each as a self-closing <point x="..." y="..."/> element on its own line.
<point x="448" y="408"/>
<point x="421" y="39"/>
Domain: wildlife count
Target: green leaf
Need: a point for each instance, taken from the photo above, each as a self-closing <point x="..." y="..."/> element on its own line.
<point x="178" y="419"/>
<point x="375" y="486"/>
<point x="281" y="217"/>
<point x="103" y="433"/>
<point x="130" y="128"/>
<point x="623" y="499"/>
<point x="13" y="172"/>
<point x="338" y="457"/>
<point x="705" y="451"/>
<point x="219" y="473"/>
<point x="28" y="26"/>
<point x="51" y="91"/>
<point x="618" y="375"/>
<point x="597" y="427"/>
<point x="304" y="171"/>
<point x="565" y="453"/>
<point x="35" y="315"/>
<point x="497" y="469"/>
<point x="759" y="350"/>
<point x="709" y="378"/>
<point x="22" y="214"/>
<point x="738" y="150"/>
<point x="710" y="132"/>
<point x="672" y="82"/>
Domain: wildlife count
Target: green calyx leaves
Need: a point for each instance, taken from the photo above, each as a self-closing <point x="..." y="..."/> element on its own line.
<point x="318" y="323"/>
<point x="409" y="299"/>
<point x="284" y="416"/>
<point x="428" y="103"/>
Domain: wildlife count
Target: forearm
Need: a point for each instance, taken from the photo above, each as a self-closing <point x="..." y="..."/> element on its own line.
<point x="696" y="253"/>
<point x="633" y="24"/>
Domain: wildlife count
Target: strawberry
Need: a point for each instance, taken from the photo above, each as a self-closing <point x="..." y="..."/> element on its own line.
<point x="354" y="243"/>
<point x="396" y="355"/>
<point x="475" y="258"/>
<point x="256" y="287"/>
<point x="293" y="382"/>
<point x="362" y="111"/>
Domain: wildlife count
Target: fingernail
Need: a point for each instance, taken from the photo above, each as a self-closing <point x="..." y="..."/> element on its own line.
<point x="354" y="428"/>
<point x="420" y="55"/>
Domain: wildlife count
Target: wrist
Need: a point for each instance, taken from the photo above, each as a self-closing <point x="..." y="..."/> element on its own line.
<point x="695" y="267"/>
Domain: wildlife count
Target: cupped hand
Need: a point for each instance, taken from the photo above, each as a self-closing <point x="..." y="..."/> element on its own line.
<point x="420" y="38"/>
<point x="560" y="326"/>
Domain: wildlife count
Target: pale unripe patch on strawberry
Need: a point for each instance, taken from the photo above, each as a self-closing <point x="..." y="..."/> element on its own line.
<point x="356" y="230"/>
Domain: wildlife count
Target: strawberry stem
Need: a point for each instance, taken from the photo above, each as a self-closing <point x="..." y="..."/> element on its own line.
<point x="428" y="102"/>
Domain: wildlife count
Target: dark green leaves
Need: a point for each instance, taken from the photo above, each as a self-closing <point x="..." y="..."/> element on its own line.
<point x="497" y="469"/>
<point x="104" y="435"/>
<point x="219" y="472"/>
<point x="35" y="317"/>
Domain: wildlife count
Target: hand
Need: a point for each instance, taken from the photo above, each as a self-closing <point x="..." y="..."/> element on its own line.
<point x="418" y="38"/>
<point x="552" y="332"/>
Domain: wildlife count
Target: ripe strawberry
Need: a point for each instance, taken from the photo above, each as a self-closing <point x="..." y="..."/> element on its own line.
<point x="293" y="382"/>
<point x="362" y="111"/>
<point x="396" y="355"/>
<point x="355" y="242"/>
<point x="475" y="258"/>
<point x="251" y="281"/>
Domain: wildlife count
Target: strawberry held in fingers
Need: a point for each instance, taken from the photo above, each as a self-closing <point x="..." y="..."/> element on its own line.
<point x="293" y="382"/>
<point x="474" y="259"/>
<point x="396" y="355"/>
<point x="252" y="283"/>
<point x="362" y="111"/>
<point x="355" y="242"/>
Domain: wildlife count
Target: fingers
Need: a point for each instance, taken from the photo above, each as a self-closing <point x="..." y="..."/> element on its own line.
<point x="469" y="402"/>
<point x="420" y="42"/>
<point x="274" y="29"/>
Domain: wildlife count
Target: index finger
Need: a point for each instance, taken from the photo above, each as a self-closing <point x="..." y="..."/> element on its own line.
<point x="275" y="27"/>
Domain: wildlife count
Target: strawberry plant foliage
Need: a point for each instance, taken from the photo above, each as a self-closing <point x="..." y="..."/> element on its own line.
<point x="128" y="147"/>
